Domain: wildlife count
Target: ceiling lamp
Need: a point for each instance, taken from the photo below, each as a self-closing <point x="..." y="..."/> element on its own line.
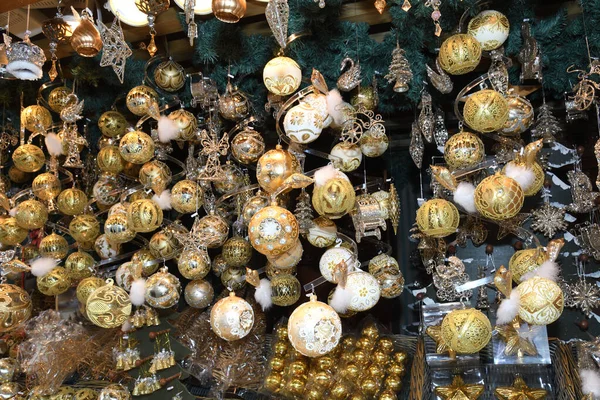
<point x="201" y="7"/>
<point x="127" y="12"/>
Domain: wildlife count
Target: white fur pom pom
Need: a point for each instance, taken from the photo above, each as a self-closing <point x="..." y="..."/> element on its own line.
<point x="13" y="211"/>
<point x="263" y="294"/>
<point x="137" y="293"/>
<point x="54" y="144"/>
<point x="127" y="325"/>
<point x="43" y="265"/>
<point x="334" y="100"/>
<point x="464" y="196"/>
<point x="340" y="301"/>
<point x="163" y="200"/>
<point x="509" y="308"/>
<point x="322" y="175"/>
<point x="590" y="382"/>
<point x="167" y="130"/>
<point x="524" y="176"/>
<point x="549" y="270"/>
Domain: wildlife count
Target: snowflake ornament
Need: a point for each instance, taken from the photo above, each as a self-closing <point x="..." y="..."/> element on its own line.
<point x="548" y="220"/>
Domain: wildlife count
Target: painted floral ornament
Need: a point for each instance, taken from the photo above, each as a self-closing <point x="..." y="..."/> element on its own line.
<point x="346" y="156"/>
<point x="231" y="318"/>
<point x="490" y="28"/>
<point x="365" y="291"/>
<point x="282" y="76"/>
<point x="333" y="260"/>
<point x="303" y="124"/>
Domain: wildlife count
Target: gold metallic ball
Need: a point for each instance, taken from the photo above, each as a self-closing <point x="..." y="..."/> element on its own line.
<point x="193" y="263"/>
<point x="542" y="301"/>
<point x="54" y="282"/>
<point x="463" y="150"/>
<point x="325" y="363"/>
<point x="281" y="332"/>
<point x="112" y="124"/>
<point x="281" y="348"/>
<point x="105" y="248"/>
<point x="28" y="158"/>
<point x="282" y="76"/>
<point x="233" y="179"/>
<point x="107" y="190"/>
<point x="386" y="345"/>
<point x="298" y="368"/>
<point x="498" y="197"/>
<point x="524" y="261"/>
<point x="253" y="205"/>
<point x="31" y="214"/>
<point x="285" y="290"/>
<point x="109" y="160"/>
<point x="296" y="386"/>
<point x="218" y="265"/>
<point x="231" y="318"/>
<point x="117" y="230"/>
<point x="314" y="328"/>
<point x="373" y="143"/>
<point x="164" y="245"/>
<point x="370" y="331"/>
<point x="15" y="307"/>
<point x="365" y="96"/>
<point x="87" y="286"/>
<point x="490" y="28"/>
<point x="86" y="40"/>
<point x="393" y="382"/>
<point x="54" y="246"/>
<point x="400" y="357"/>
<point x="237" y="251"/>
<point x="380" y="357"/>
<point x="11" y="233"/>
<point x="520" y="115"/>
<point x="58" y="98"/>
<point x="459" y="54"/>
<point x="199" y="293"/>
<point x="369" y="386"/>
<point x="29" y="252"/>
<point x="365" y="343"/>
<point x="163" y="289"/>
<point x="274" y="167"/>
<point x="139" y="100"/>
<point x="108" y="306"/>
<point x="84" y="228"/>
<point x="186" y="123"/>
<point x="215" y="228"/>
<point x="234" y="278"/>
<point x="136" y="147"/>
<point x="169" y="76"/>
<point x="133" y="170"/>
<point x="339" y="391"/>
<point x="247" y="146"/>
<point x="72" y="201"/>
<point x="466" y="331"/>
<point x="155" y="175"/>
<point x="80" y="265"/>
<point x="233" y="105"/>
<point x="144" y="215"/>
<point x="186" y="196"/>
<point x="115" y="391"/>
<point x="396" y="368"/>
<point x="146" y="260"/>
<point x="323" y="232"/>
<point x="36" y="118"/>
<point x="335" y="198"/>
<point x="127" y="273"/>
<point x="486" y="111"/>
<point x="86" y="394"/>
<point x="273" y="382"/>
<point x="273" y="230"/>
<point x="438" y="218"/>
<point x="18" y="176"/>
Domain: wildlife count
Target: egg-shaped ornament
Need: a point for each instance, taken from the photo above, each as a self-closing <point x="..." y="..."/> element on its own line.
<point x="486" y="111"/>
<point x="520" y="116"/>
<point x="314" y="328"/>
<point x="105" y="248"/>
<point x="282" y="76"/>
<point x="285" y="290"/>
<point x="322" y="233"/>
<point x="80" y="265"/>
<point x="193" y="263"/>
<point x="36" y="118"/>
<point x="169" y="76"/>
<point x="525" y="261"/>
<point x="146" y="260"/>
<point x="237" y="251"/>
<point x="54" y="282"/>
<point x="199" y="294"/>
<point x="163" y="289"/>
<point x="114" y="391"/>
<point x="247" y="146"/>
<point x="58" y="98"/>
<point x="365" y="291"/>
<point x="54" y="246"/>
<point x="288" y="259"/>
<point x="234" y="278"/>
<point x="87" y="286"/>
<point x="334" y="260"/>
<point x="233" y="104"/>
<point x="127" y="273"/>
<point x="72" y="201"/>
<point x="274" y="167"/>
<point x="108" y="306"/>
<point x="109" y="160"/>
<point x="136" y="147"/>
<point x="155" y="175"/>
<point x="460" y="54"/>
<point x="541" y="301"/>
<point x="334" y="197"/>
<point x="84" y="228"/>
<point x="15" y="307"/>
<point x="346" y="156"/>
<point x="463" y="150"/>
<point x="303" y="124"/>
<point x="116" y="228"/>
<point x="144" y="215"/>
<point x="112" y="124"/>
<point x="233" y="179"/>
<point x="231" y="318"/>
<point x="140" y="98"/>
<point x="28" y="158"/>
<point x="490" y="28"/>
<point x="186" y="122"/>
<point x="273" y="230"/>
<point x="438" y="218"/>
<point x="11" y="233"/>
<point x="466" y="331"/>
<point x="499" y="197"/>
<point x="215" y="228"/>
<point x="186" y="196"/>
<point x="31" y="214"/>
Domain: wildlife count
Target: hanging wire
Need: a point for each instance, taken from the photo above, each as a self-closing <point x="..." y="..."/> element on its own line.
<point x="587" y="43"/>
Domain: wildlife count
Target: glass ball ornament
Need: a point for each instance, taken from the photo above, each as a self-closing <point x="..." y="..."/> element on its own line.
<point x="335" y="198"/>
<point x="215" y="228"/>
<point x="112" y="124"/>
<point x="247" y="146"/>
<point x="486" y="111"/>
<point x="365" y="97"/>
<point x="365" y="291"/>
<point x="164" y="245"/>
<point x="273" y="230"/>
<point x="274" y="167"/>
<point x="254" y="205"/>
<point x="87" y="286"/>
<point x="234" y="278"/>
<point x="524" y="261"/>
<point x="144" y="215"/>
<point x="285" y="290"/>
<point x="318" y="102"/>
<point x="323" y="232"/>
<point x="193" y="263"/>
<point x="231" y="318"/>
<point x="155" y="175"/>
<point x="229" y="11"/>
<point x="86" y="40"/>
<point x="36" y="118"/>
<point x="541" y="301"/>
<point x="18" y="176"/>
<point x="520" y="116"/>
<point x="54" y="246"/>
<point x="333" y="259"/>
<point x="163" y="289"/>
<point x="373" y="143"/>
<point x="127" y="273"/>
<point x="105" y="248"/>
<point x="237" y="251"/>
<point x="114" y="391"/>
<point x="15" y="308"/>
<point x="234" y="104"/>
<point x="387" y="272"/>
<point x="146" y="260"/>
<point x="107" y="189"/>
<point x="303" y="124"/>
<point x="169" y="76"/>
<point x="117" y="230"/>
<point x="282" y="76"/>
<point x="109" y="160"/>
<point x="31" y="214"/>
<point x="54" y="282"/>
<point x="140" y="98"/>
<point x="438" y="218"/>
<point x="459" y="54"/>
<point x="314" y="328"/>
<point x="84" y="228"/>
<point x="199" y="294"/>
<point x="186" y="123"/>
<point x="233" y="179"/>
<point x="346" y="156"/>
<point x="58" y="98"/>
<point x="186" y="196"/>
<point x="490" y="28"/>
<point x="463" y="150"/>
<point x="46" y="186"/>
<point x="28" y="158"/>
<point x="136" y="147"/>
<point x="72" y="201"/>
<point x="11" y="233"/>
<point x="218" y="265"/>
<point x="499" y="197"/>
<point x="80" y="265"/>
<point x="466" y="331"/>
<point x="288" y="259"/>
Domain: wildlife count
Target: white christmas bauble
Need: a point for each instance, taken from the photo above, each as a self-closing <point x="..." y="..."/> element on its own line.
<point x="231" y="318"/>
<point x="365" y="290"/>
<point x="127" y="273"/>
<point x="332" y="258"/>
<point x="323" y="232"/>
<point x="303" y="124"/>
<point x="282" y="76"/>
<point x="490" y="28"/>
<point x="319" y="102"/>
<point x="346" y="156"/>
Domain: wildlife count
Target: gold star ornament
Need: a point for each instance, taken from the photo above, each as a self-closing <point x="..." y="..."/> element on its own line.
<point x="515" y="344"/>
<point x="519" y="391"/>
<point x="435" y="333"/>
<point x="459" y="390"/>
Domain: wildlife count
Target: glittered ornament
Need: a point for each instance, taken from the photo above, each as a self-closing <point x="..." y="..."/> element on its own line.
<point x="387" y="272"/>
<point x="237" y="251"/>
<point x="233" y="179"/>
<point x="373" y="143"/>
<point x="15" y="307"/>
<point x="105" y="248"/>
<point x="146" y="260"/>
<point x="459" y="54"/>
<point x="541" y="301"/>
<point x="163" y="289"/>
<point x="285" y="290"/>
<point x="365" y="291"/>
<point x="140" y="98"/>
<point x="282" y="76"/>
<point x="199" y="294"/>
<point x="11" y="233"/>
<point x="127" y="273"/>
<point x="54" y="246"/>
<point x="233" y="104"/>
<point x="486" y="111"/>
<point x="466" y="331"/>
<point x="273" y="230"/>
<point x="169" y="76"/>
<point x="84" y="228"/>
<point x="136" y="147"/>
<point x="186" y="122"/>
<point x="144" y="215"/>
<point x="72" y="201"/>
<point x="54" y="282"/>
<point x="114" y="391"/>
<point x="117" y="230"/>
<point x="231" y="318"/>
<point x="520" y="116"/>
<point x="193" y="263"/>
<point x="109" y="160"/>
<point x="274" y="167"/>
<point x="490" y="28"/>
<point x="438" y="218"/>
<point x="28" y="158"/>
<point x="112" y="124"/>
<point x="247" y="146"/>
<point x="333" y="260"/>
<point x="463" y="150"/>
<point x="36" y="118"/>
<point x="155" y="175"/>
<point x="498" y="197"/>
<point x="334" y="198"/>
<point x="31" y="214"/>
<point x="186" y="196"/>
<point x="87" y="286"/>
<point x="234" y="278"/>
<point x="346" y="156"/>
<point x="214" y="228"/>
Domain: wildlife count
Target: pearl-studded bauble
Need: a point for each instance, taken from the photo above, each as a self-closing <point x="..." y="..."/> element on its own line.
<point x="273" y="230"/>
<point x="365" y="291"/>
<point x="346" y="156"/>
<point x="333" y="259"/>
<point x="112" y="124"/>
<point x="498" y="197"/>
<point x="72" y="201"/>
<point x="323" y="232"/>
<point x="463" y="150"/>
<point x="282" y="76"/>
<point x="11" y="233"/>
<point x="199" y="294"/>
<point x="84" y="228"/>
<point x="28" y="158"/>
<point x="186" y="196"/>
<point x="438" y="218"/>
<point x="144" y="215"/>
<point x="247" y="146"/>
<point x="231" y="318"/>
<point x="459" y="54"/>
<point x="490" y="28"/>
<point x="169" y="76"/>
<point x="140" y="98"/>
<point x="541" y="301"/>
<point x="215" y="229"/>
<point x="163" y="289"/>
<point x="335" y="198"/>
<point x="466" y="331"/>
<point x="237" y="251"/>
<point x="15" y="307"/>
<point x="486" y="111"/>
<point x="54" y="246"/>
<point x="303" y="124"/>
<point x="193" y="263"/>
<point x="109" y="160"/>
<point x="54" y="282"/>
<point x="274" y="167"/>
<point x="31" y="214"/>
<point x="80" y="265"/>
<point x="186" y="123"/>
<point x="136" y="147"/>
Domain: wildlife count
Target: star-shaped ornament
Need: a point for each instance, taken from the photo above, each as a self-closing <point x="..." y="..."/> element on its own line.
<point x="511" y="225"/>
<point x="115" y="50"/>
<point x="435" y="333"/>
<point x="515" y="344"/>
<point x="459" y="390"/>
<point x="519" y="391"/>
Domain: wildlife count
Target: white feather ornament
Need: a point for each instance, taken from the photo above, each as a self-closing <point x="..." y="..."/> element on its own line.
<point x="524" y="176"/>
<point x="549" y="270"/>
<point x="13" y="211"/>
<point x="334" y="100"/>
<point x="340" y="301"/>
<point x="464" y="196"/>
<point x="54" y="144"/>
<point x="509" y="308"/>
<point x="137" y="293"/>
<point x="590" y="382"/>
<point x="42" y="266"/>
<point x="167" y="130"/>
<point x="262" y="295"/>
<point x="322" y="175"/>
<point x="164" y="200"/>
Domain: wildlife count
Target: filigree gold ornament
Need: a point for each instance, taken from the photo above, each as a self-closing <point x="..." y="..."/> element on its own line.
<point x="115" y="50"/>
<point x="277" y="14"/>
<point x="474" y="229"/>
<point x="399" y="70"/>
<point x="136" y="147"/>
<point x="213" y="148"/>
<point x="438" y="218"/>
<point x="466" y="331"/>
<point x="486" y="111"/>
<point x="426" y="118"/>
<point x="542" y="301"/>
<point x="247" y="146"/>
<point x="140" y="98"/>
<point x="15" y="307"/>
<point x="446" y="276"/>
<point x="548" y="220"/>
<point x="108" y="306"/>
<point x="490" y="28"/>
<point x="55" y="282"/>
<point x="498" y="71"/>
<point x="498" y="197"/>
<point x="367" y="217"/>
<point x="459" y="54"/>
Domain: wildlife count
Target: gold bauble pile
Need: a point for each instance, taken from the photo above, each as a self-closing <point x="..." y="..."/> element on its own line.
<point x="54" y="246"/>
<point x="215" y="228"/>
<point x="46" y="186"/>
<point x="463" y="150"/>
<point x="155" y="175"/>
<point x="186" y="123"/>
<point x="140" y="98"/>
<point x="438" y="218"/>
<point x="520" y="115"/>
<point x="234" y="278"/>
<point x="144" y="215"/>
<point x="247" y="146"/>
<point x="524" y="261"/>
<point x="282" y="76"/>
<point x="15" y="307"/>
<point x="486" y="111"/>
<point x="163" y="289"/>
<point x="80" y="265"/>
<point x="84" y="228"/>
<point x="109" y="160"/>
<point x="490" y="28"/>
<point x="36" y="118"/>
<point x="233" y="179"/>
<point x="541" y="301"/>
<point x="11" y="233"/>
<point x="466" y="331"/>
<point x="169" y="76"/>
<point x="58" y="98"/>
<point x="28" y="158"/>
<point x="231" y="318"/>
<point x="459" y="54"/>
<point x="193" y="263"/>
<point x="237" y="251"/>
<point x="199" y="294"/>
<point x="72" y="201"/>
<point x="274" y="167"/>
<point x="285" y="290"/>
<point x="498" y="197"/>
<point x="108" y="307"/>
<point x="112" y="124"/>
<point x="186" y="196"/>
<point x="54" y="282"/>
<point x="323" y="232"/>
<point x="31" y="214"/>
<point x="146" y="260"/>
<point x="136" y="147"/>
<point x="87" y="286"/>
<point x="164" y="246"/>
<point x="273" y="230"/>
<point x="335" y="198"/>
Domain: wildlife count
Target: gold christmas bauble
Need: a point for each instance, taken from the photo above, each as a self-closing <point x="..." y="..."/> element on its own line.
<point x="438" y="218"/>
<point x="231" y="318"/>
<point x="29" y="252"/>
<point x="11" y="233"/>
<point x="273" y="230"/>
<point x="72" y="201"/>
<point x="193" y="263"/>
<point x="541" y="301"/>
<point x="323" y="232"/>
<point x="314" y="328"/>
<point x="490" y="28"/>
<point x="486" y="111"/>
<point x="80" y="265"/>
<point x="466" y="331"/>
<point x="387" y="272"/>
<point x="163" y="289"/>
<point x="54" y="246"/>
<point x="335" y="198"/>
<point x="109" y="160"/>
<point x="274" y="167"/>
<point x="144" y="215"/>
<point x="373" y="143"/>
<point x="58" y="98"/>
<point x="233" y="105"/>
<point x="112" y="124"/>
<point x="234" y="278"/>
<point x="84" y="228"/>
<point x="136" y="147"/>
<point x="229" y="11"/>
<point x="186" y="122"/>
<point x="31" y="214"/>
<point x="247" y="146"/>
<point x="186" y="196"/>
<point x="54" y="282"/>
<point x="463" y="150"/>
<point x="139" y="100"/>
<point x="85" y="394"/>
<point x="146" y="260"/>
<point x="459" y="54"/>
<point x="155" y="175"/>
<point x="105" y="248"/>
<point x="233" y="179"/>
<point x="169" y="76"/>
<point x="273" y="382"/>
<point x="215" y="228"/>
<point x="114" y="391"/>
<point x="218" y="265"/>
<point x="18" y="176"/>
<point x="36" y="118"/>
<point x="46" y="186"/>
<point x="15" y="307"/>
<point x="285" y="290"/>
<point x="237" y="251"/>
<point x="520" y="115"/>
<point x="254" y="205"/>
<point x="346" y="156"/>
<point x="288" y="259"/>
<point x="199" y="293"/>
<point x="87" y="286"/>
<point x="365" y="96"/>
<point x="164" y="245"/>
<point x="107" y="189"/>
<point x="127" y="273"/>
<point x="498" y="197"/>
<point x="117" y="230"/>
<point x="282" y="76"/>
<point x="5" y="183"/>
<point x="28" y="158"/>
<point x="524" y="261"/>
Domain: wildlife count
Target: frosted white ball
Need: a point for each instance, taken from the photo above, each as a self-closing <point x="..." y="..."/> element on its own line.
<point x="332" y="258"/>
<point x="303" y="124"/>
<point x="346" y="156"/>
<point x="365" y="291"/>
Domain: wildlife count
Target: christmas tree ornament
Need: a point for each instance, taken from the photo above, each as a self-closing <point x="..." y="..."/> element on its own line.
<point x="193" y="263"/>
<point x="86" y="40"/>
<point x="333" y="197"/>
<point x="282" y="75"/>
<point x="106" y="249"/>
<point x="25" y="59"/>
<point x="229" y="11"/>
<point x="247" y="146"/>
<point x="54" y="246"/>
<point x="186" y="196"/>
<point x="237" y="251"/>
<point x="498" y="197"/>
<point x="87" y="286"/>
<point x="548" y="220"/>
<point x="233" y="179"/>
<point x="72" y="201"/>
<point x="233" y="104"/>
<point x="15" y="308"/>
<point x="367" y="217"/>
<point x="374" y="142"/>
<point x="115" y="50"/>
<point x="164" y="245"/>
<point x="426" y="118"/>
<point x="273" y="230"/>
<point x="106" y="190"/>
<point x="162" y="289"/>
<point x="46" y="187"/>
<point x="79" y="265"/>
<point x="213" y="230"/>
<point x="136" y="147"/>
<point x="466" y="331"/>
<point x="303" y="212"/>
<point x="490" y="28"/>
<point x="274" y="167"/>
<point x="231" y="318"/>
<point x="277" y="14"/>
<point x="365" y="290"/>
<point x="140" y="99"/>
<point x="18" y="176"/>
<point x="58" y="98"/>
<point x="155" y="175"/>
<point x="234" y="278"/>
<point x="520" y="115"/>
<point x="439" y="79"/>
<point x="303" y="123"/>
<point x="109" y="160"/>
<point x="417" y="146"/>
<point x="11" y="233"/>
<point x="146" y="260"/>
<point x="314" y="328"/>
<point x="84" y="228"/>
<point x="54" y="282"/>
<point x="546" y="126"/>
<point x="463" y="150"/>
<point x="486" y="111"/>
<point x="31" y="214"/>
<point x="438" y="218"/>
<point x="519" y="390"/>
<point x="199" y="294"/>
<point x="516" y="345"/>
<point x="108" y="306"/>
<point x="285" y="290"/>
<point x="459" y="390"/>
<point x="346" y="156"/>
<point x="114" y="391"/>
<point x="440" y="132"/>
<point x="449" y="274"/>
<point x="127" y="273"/>
<point x="28" y="158"/>
<point x="116" y="228"/>
<point x="112" y="124"/>
<point x="366" y="97"/>
<point x="351" y="78"/>
<point x="582" y="294"/>
<point x="186" y="123"/>
<point x="399" y="71"/>
<point x="144" y="215"/>
<point x="322" y="233"/>
<point x="541" y="301"/>
<point x="334" y="263"/>
<point x="213" y="148"/>
<point x="387" y="272"/>
<point x="169" y="76"/>
<point x="530" y="56"/>
<point x="459" y="54"/>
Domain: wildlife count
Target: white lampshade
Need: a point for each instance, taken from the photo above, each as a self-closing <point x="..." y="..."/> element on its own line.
<point x="73" y="23"/>
<point x="202" y="7"/>
<point x="127" y="12"/>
